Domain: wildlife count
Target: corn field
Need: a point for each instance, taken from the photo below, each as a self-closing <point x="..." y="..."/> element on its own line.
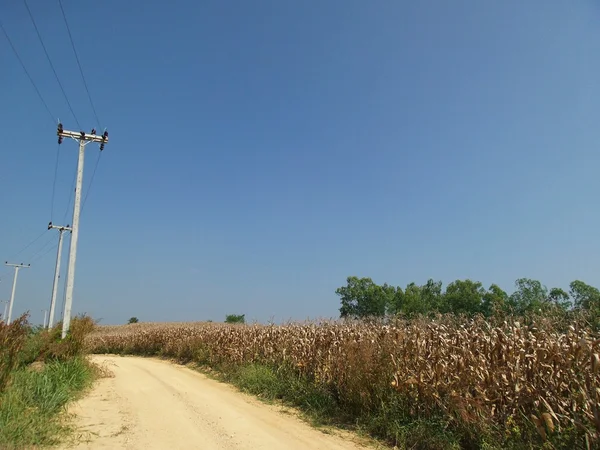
<point x="504" y="378"/>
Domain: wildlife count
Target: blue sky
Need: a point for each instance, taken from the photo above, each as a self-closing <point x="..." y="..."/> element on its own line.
<point x="261" y="152"/>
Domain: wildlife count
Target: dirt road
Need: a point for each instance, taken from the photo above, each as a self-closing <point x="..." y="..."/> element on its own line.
<point x="152" y="404"/>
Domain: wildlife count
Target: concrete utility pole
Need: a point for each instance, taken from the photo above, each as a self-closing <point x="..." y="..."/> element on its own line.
<point x="61" y="230"/>
<point x="45" y="311"/>
<point x="83" y="139"/>
<point x="14" y="287"/>
<point x="5" y="309"/>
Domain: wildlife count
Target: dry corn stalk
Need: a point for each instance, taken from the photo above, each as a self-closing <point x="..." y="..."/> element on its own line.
<point x="475" y="372"/>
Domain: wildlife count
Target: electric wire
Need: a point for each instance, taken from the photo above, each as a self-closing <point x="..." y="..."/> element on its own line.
<point x="52" y="117"/>
<point x="33" y="241"/>
<point x="44" y="254"/>
<point x="79" y="64"/>
<point x="50" y="61"/>
<point x="14" y="255"/>
<point x="40" y="253"/>
<point x="89" y="98"/>
<point x="91" y="181"/>
<point x="41" y="249"/>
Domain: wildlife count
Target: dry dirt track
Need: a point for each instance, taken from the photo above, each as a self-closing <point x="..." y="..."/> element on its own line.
<point x="151" y="404"/>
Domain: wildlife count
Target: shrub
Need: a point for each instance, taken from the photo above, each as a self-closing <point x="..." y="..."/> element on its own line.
<point x="74" y="343"/>
<point x="235" y="318"/>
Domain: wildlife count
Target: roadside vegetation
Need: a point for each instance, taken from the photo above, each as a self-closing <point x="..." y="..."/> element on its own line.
<point x="507" y="379"/>
<point x="39" y="375"/>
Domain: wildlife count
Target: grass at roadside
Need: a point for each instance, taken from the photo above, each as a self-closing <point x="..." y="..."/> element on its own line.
<point x="31" y="405"/>
<point x="320" y="407"/>
<point x="40" y="374"/>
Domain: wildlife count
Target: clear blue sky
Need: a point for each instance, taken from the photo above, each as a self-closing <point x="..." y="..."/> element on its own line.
<point x="263" y="151"/>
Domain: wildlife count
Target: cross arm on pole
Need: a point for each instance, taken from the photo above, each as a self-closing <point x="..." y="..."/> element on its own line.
<point x="82" y="136"/>
<point x="21" y="266"/>
<point x="59" y="227"/>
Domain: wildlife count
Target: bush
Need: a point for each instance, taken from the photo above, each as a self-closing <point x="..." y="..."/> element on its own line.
<point x="47" y="345"/>
<point x="235" y="318"/>
<point x="74" y="343"/>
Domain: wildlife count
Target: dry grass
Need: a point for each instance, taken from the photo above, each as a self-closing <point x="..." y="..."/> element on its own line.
<point x="507" y="383"/>
<point x="12" y="340"/>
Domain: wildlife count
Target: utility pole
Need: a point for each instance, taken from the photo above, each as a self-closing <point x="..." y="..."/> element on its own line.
<point x="61" y="230"/>
<point x="45" y="311"/>
<point x="83" y="139"/>
<point x="5" y="309"/>
<point x="14" y="287"/>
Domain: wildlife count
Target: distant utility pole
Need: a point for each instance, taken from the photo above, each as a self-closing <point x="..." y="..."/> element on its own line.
<point x="45" y="311"/>
<point x="83" y="139"/>
<point x="14" y="287"/>
<point x="61" y="230"/>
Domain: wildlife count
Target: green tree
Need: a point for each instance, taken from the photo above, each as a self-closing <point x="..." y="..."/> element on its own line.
<point x="530" y="295"/>
<point x="431" y="294"/>
<point x="423" y="299"/>
<point x="585" y="296"/>
<point x="235" y="318"/>
<point x="495" y="301"/>
<point x="396" y="304"/>
<point x="413" y="302"/>
<point x="464" y="297"/>
<point x="560" y="298"/>
<point x="133" y="320"/>
<point x="392" y="295"/>
<point x="362" y="298"/>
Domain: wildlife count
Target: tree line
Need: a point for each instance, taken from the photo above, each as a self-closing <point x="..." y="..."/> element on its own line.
<point x="362" y="298"/>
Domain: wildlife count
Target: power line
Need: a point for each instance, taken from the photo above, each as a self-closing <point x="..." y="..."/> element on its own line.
<point x="27" y="73"/>
<point x="45" y="253"/>
<point x="79" y="64"/>
<point x="89" y="98"/>
<point x="50" y="61"/>
<point x="33" y="241"/>
<point x="87" y="193"/>
<point x="14" y="255"/>
<point x="91" y="181"/>
<point x="41" y="249"/>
